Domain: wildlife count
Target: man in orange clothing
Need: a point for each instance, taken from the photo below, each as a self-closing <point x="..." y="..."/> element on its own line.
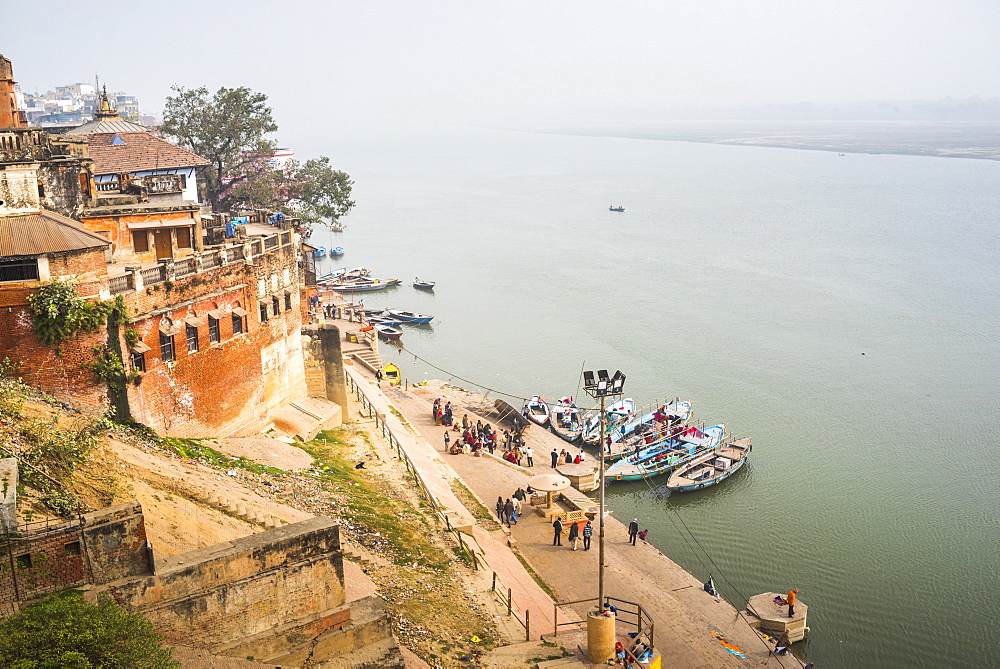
<point x="791" y="602"/>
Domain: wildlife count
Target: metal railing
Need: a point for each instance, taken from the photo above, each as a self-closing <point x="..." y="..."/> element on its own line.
<point x="643" y="622"/>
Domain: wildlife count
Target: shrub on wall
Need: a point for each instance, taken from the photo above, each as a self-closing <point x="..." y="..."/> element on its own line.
<point x="59" y="312"/>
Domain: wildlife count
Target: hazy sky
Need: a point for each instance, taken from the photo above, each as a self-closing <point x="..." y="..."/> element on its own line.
<point x="341" y="65"/>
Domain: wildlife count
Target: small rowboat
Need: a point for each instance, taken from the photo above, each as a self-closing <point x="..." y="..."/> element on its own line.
<point x="616" y="208"/>
<point x="409" y="316"/>
<point x="567" y="422"/>
<point x="391" y="374"/>
<point x="710" y="468"/>
<point x="336" y="251"/>
<point x="387" y="332"/>
<point x="423" y="285"/>
<point x="665" y="456"/>
<point x="537" y="411"/>
<point x="365" y="287"/>
<point x="375" y="320"/>
<point x="319" y="252"/>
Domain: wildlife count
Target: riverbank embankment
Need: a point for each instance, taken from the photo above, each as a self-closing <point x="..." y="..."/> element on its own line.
<point x="685" y="616"/>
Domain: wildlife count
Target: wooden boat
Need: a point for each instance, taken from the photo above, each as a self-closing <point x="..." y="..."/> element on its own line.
<point x="614" y="415"/>
<point x="616" y="208"/>
<point x="319" y="252"/>
<point x="336" y="251"/>
<point x="376" y="320"/>
<point x="665" y="456"/>
<point x="508" y="414"/>
<point x="387" y="332"/>
<point x="391" y="374"/>
<point x="368" y="313"/>
<point x="567" y="421"/>
<point x="423" y="285"/>
<point x="409" y="316"/>
<point x="364" y="287"/>
<point x="537" y="411"/>
<point x="710" y="468"/>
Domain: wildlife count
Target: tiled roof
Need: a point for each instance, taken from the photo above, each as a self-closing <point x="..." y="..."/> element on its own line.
<point x="138" y="151"/>
<point x="44" y="232"/>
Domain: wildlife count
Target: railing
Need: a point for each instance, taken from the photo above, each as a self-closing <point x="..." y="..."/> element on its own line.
<point x="643" y="623"/>
<point x="271" y="242"/>
<point x="153" y="275"/>
<point x="210" y="260"/>
<point x="235" y="253"/>
<point x="185" y="266"/>
<point x="368" y="409"/>
<point x="286" y="238"/>
<point x="119" y="284"/>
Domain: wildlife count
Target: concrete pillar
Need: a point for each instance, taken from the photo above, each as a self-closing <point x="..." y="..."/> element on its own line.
<point x="600" y="637"/>
<point x="333" y="363"/>
<point x="8" y="495"/>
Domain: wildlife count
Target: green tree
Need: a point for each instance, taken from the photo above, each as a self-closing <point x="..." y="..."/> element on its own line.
<point x="65" y="631"/>
<point x="229" y="129"/>
<point x="318" y="192"/>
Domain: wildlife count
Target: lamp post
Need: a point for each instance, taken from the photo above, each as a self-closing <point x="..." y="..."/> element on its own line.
<point x="600" y="636"/>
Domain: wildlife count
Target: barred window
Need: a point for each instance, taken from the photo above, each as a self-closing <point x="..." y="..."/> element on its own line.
<point x="167" y="348"/>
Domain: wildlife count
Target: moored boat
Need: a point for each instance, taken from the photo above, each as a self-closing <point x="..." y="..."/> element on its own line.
<point x="710" y="468"/>
<point x="618" y="208"/>
<point x="537" y="411"/>
<point x="386" y="331"/>
<point x="423" y="285"/>
<point x="409" y="316"/>
<point x="364" y="287"/>
<point x="319" y="252"/>
<point x="391" y="374"/>
<point x="665" y="456"/>
<point x="336" y="251"/>
<point x="567" y="420"/>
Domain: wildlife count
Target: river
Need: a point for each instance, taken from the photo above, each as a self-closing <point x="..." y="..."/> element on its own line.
<point x="842" y="311"/>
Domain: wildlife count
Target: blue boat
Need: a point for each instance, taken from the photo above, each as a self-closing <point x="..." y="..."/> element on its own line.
<point x="320" y="252"/>
<point x="336" y="251"/>
<point x="667" y="455"/>
<point x="409" y="316"/>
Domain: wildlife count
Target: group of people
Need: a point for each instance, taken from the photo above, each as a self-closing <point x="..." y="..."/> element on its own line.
<point x="565" y="457"/>
<point x="442" y="414"/>
<point x="508" y="512"/>
<point x="577" y="529"/>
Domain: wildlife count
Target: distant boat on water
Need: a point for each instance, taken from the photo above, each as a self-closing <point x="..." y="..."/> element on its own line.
<point x="618" y="208"/>
<point x="423" y="285"/>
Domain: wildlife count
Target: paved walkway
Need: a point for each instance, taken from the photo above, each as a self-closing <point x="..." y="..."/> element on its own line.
<point x="684" y="615"/>
<point x="436" y="475"/>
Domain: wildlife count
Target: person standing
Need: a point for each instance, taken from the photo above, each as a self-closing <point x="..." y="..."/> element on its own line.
<point x="574" y="534"/>
<point x="633" y="530"/>
<point x="555" y="458"/>
<point x="447" y="441"/>
<point x="557" y="527"/>
<point x="500" y="509"/>
<point x="378" y="377"/>
<point x="791" y="601"/>
<point x="508" y="511"/>
<point x="588" y="531"/>
<point x="530" y="454"/>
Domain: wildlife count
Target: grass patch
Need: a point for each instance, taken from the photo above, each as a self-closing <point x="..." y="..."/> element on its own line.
<point x="472" y="503"/>
<point x="197" y="449"/>
<point x="399" y="528"/>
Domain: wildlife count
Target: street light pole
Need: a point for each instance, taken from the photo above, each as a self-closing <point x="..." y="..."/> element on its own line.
<point x="600" y="537"/>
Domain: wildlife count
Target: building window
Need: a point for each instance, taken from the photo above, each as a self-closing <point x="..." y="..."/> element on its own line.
<point x="138" y="361"/>
<point x="263" y="312"/>
<point x="140" y="241"/>
<point x="167" y="348"/>
<point x="213" y="330"/>
<point x="275" y="306"/>
<point x="184" y="181"/>
<point x="23" y="561"/>
<point x="192" y="338"/>
<point x="288" y="301"/>
<point x="237" y="324"/>
<point x="73" y="548"/>
<point x="183" y="238"/>
<point x="19" y="270"/>
<point x="41" y="191"/>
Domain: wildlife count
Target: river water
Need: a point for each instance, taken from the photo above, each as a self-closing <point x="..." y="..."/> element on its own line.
<point x="841" y="310"/>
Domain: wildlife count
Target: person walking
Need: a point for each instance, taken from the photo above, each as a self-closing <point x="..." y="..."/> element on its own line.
<point x="557" y="527"/>
<point x="555" y="458"/>
<point x="508" y="511"/>
<point x="378" y="377"/>
<point x="530" y="454"/>
<point x="588" y="530"/>
<point x="791" y="601"/>
<point x="633" y="530"/>
<point x="500" y="509"/>
<point x="574" y="534"/>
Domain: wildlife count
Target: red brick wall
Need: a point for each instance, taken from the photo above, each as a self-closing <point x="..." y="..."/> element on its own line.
<point x="52" y="568"/>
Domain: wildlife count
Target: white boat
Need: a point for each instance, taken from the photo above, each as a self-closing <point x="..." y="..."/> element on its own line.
<point x="710" y="468"/>
<point x="662" y="457"/>
<point x="537" y="411"/>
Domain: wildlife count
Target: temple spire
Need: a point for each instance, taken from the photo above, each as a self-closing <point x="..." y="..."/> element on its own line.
<point x="104" y="110"/>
